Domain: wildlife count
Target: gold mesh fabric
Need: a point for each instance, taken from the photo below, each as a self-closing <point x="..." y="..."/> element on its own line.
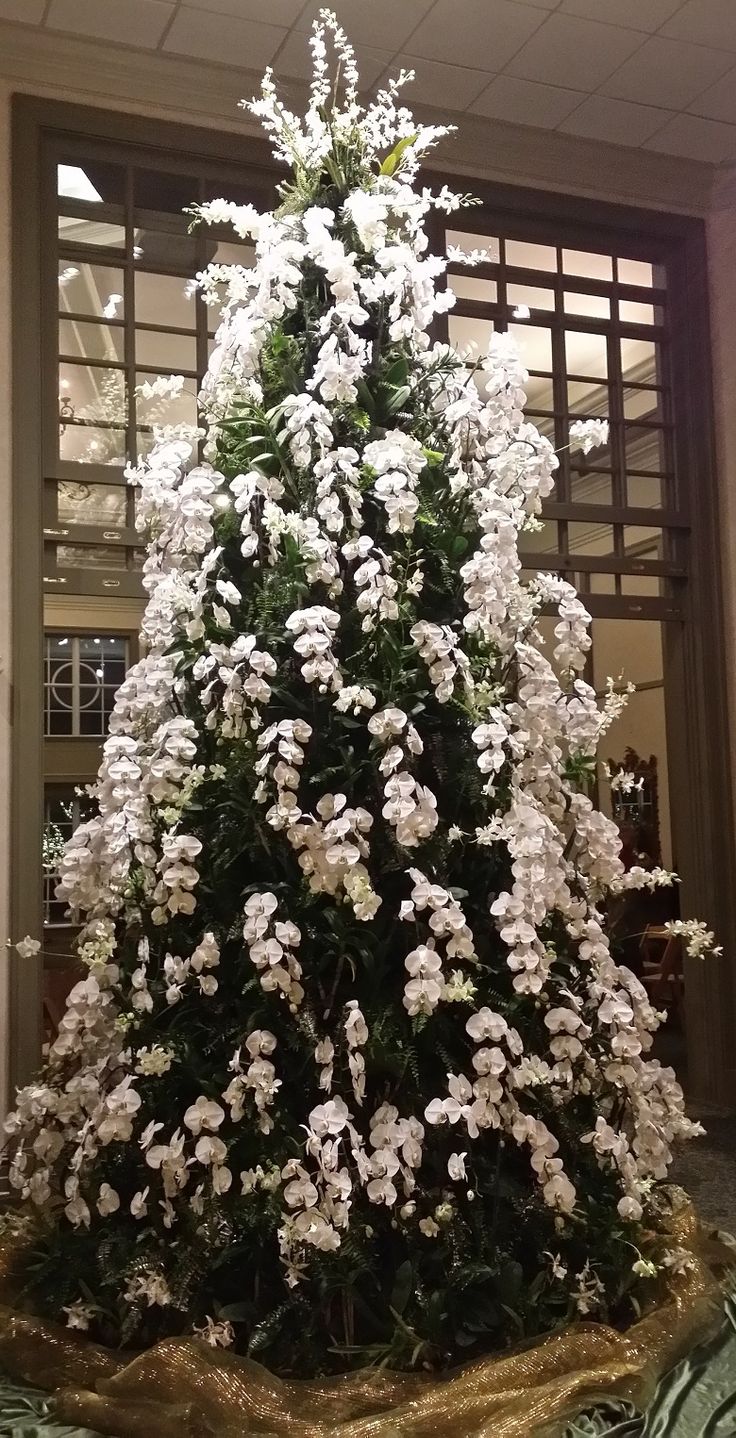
<point x="183" y="1389"/>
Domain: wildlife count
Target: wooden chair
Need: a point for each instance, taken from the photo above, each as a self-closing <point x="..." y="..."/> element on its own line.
<point x="662" y="976"/>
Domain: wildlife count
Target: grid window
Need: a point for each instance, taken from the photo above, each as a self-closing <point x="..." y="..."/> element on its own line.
<point x="127" y="312"/>
<point x="81" y="676"/>
<point x="592" y="328"/>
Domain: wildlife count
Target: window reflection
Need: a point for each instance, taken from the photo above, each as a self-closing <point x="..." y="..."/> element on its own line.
<point x="91" y="289"/>
<point x="96" y="504"/>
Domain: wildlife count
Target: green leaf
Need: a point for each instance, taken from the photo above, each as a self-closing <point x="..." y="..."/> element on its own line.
<point x="366" y="398"/>
<point x="398" y="399"/>
<point x="398" y="372"/>
<point x="392" y="161"/>
<point x="403" y="1286"/>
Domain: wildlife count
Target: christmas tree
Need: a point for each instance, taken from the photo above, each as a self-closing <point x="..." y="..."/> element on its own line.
<point x="352" y="1074"/>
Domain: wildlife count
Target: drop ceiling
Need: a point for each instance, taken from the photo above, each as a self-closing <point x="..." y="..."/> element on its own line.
<point x="657" y="75"/>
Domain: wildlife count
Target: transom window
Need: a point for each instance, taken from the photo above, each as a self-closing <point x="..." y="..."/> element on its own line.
<point x="81" y="674"/>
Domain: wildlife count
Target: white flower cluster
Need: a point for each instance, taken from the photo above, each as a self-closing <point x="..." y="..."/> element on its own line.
<point x="528" y="720"/>
<point x="397" y="461"/>
<point x="271" y="943"/>
<point x="588" y="434"/>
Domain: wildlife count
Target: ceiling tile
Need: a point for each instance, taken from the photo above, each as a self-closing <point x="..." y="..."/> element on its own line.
<point x="29" y="11"/>
<point x="696" y="139"/>
<point x="225" y="38"/>
<point x="449" y="87"/>
<point x="385" y="23"/>
<point x="137" y="22"/>
<point x="278" y="12"/>
<point x="719" y="102"/>
<point x="668" y="72"/>
<point x="617" y="121"/>
<point x="295" y="60"/>
<point x="566" y="48"/>
<point x="639" y="14"/>
<point x="707" y="22"/>
<point x="524" y="102"/>
<point x="480" y="33"/>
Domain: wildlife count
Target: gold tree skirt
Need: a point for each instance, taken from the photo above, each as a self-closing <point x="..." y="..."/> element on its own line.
<point x="183" y="1389"/>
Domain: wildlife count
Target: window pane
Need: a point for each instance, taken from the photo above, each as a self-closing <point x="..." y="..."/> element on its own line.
<point x="91" y="289"/>
<point x="643" y="404"/>
<point x="467" y="333"/>
<point x="586" y="537"/>
<point x="166" y="409"/>
<point x="591" y="488"/>
<point x="589" y="399"/>
<point x="91" y="341"/>
<point x="466" y="241"/>
<point x="645" y="491"/>
<point x="93" y="444"/>
<point x="601" y="583"/>
<point x="635" y="272"/>
<point x="588" y="264"/>
<point x="597" y="306"/>
<point x="89" y="556"/>
<point x="171" y="352"/>
<point x="529" y="256"/>
<point x="91" y="232"/>
<point x="540" y="392"/>
<point x="642" y="542"/>
<point x="587" y="354"/>
<point x="472" y="287"/>
<point x="229" y="253"/>
<point x="535" y="345"/>
<point x="533" y="296"/>
<point x="639" y="361"/>
<point x="645" y="448"/>
<point x="164" y="300"/>
<point x="540" y="541"/>
<point x="101" y="504"/>
<point x="92" y="414"/>
<point x="644" y="584"/>
<point x="168" y="193"/>
<point x="633" y="313"/>
<point x="93" y="182"/>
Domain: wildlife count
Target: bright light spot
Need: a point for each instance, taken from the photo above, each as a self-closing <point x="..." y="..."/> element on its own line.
<point x="65" y="384"/>
<point x="100" y="673"/>
<point x="75" y="184"/>
<point x="521" y="312"/>
<point x="222" y="501"/>
<point x="110" y="308"/>
<point x="62" y="642"/>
